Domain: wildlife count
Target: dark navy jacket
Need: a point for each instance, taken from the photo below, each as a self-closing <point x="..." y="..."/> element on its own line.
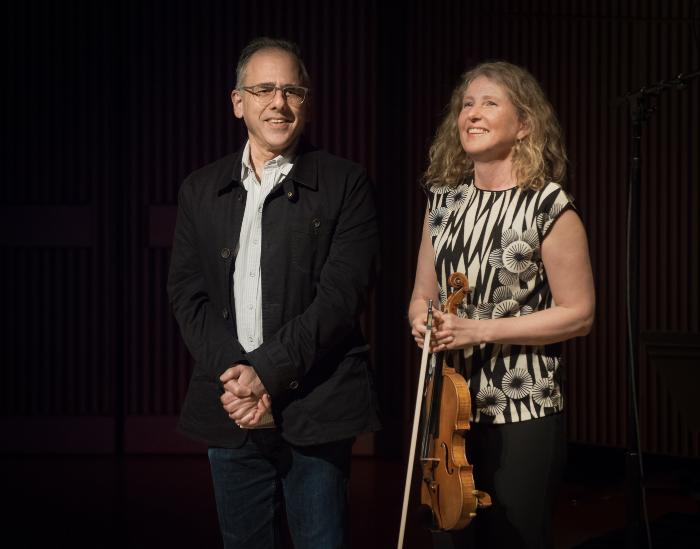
<point x="318" y="254"/>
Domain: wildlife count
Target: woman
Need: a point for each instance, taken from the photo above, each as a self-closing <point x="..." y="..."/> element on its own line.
<point x="497" y="212"/>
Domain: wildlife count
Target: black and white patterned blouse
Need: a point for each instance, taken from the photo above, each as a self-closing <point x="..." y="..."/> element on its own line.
<point x="494" y="237"/>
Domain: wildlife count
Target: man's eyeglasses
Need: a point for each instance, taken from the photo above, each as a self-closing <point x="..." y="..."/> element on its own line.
<point x="264" y="93"/>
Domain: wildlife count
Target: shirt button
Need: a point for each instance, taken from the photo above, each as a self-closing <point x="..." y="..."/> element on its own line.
<point x="294" y="384"/>
<point x="250" y="306"/>
<point x="250" y="338"/>
<point x="225" y="253"/>
<point x="259" y="209"/>
<point x="252" y="273"/>
<point x="224" y="313"/>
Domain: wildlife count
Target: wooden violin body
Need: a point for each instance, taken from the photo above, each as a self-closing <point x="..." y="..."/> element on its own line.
<point x="448" y="482"/>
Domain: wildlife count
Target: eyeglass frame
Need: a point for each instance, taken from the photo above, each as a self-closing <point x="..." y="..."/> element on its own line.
<point x="256" y="95"/>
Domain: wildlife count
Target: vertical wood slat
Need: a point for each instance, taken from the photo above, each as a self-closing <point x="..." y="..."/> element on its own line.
<point x="50" y="344"/>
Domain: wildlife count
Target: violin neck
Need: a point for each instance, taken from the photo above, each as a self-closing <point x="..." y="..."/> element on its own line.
<point x="431" y="419"/>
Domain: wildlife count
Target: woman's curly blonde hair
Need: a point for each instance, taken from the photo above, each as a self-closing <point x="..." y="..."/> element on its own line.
<point x="538" y="158"/>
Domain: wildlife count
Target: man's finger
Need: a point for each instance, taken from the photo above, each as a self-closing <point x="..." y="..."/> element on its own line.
<point x="239" y="404"/>
<point x="231" y="373"/>
<point x="240" y="414"/>
<point x="237" y="389"/>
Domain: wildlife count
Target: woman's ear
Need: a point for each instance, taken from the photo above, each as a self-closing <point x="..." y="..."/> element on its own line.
<point x="524" y="130"/>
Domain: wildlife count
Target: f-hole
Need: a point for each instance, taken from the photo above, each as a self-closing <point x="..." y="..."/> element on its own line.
<point x="447" y="461"/>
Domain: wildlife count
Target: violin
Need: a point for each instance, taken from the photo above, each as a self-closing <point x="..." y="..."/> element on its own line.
<point x="447" y="486"/>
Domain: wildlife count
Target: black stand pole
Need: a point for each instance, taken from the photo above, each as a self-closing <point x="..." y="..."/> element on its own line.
<point x="640" y="112"/>
<point x="634" y="473"/>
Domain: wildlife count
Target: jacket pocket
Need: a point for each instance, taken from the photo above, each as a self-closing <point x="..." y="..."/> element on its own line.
<point x="309" y="242"/>
<point x="341" y="404"/>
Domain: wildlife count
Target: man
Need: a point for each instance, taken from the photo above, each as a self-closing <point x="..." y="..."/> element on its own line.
<point x="272" y="257"/>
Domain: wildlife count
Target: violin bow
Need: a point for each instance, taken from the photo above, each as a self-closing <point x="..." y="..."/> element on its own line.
<point x="416" y="419"/>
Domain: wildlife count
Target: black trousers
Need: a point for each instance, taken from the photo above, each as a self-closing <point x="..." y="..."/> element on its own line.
<point x="520" y="465"/>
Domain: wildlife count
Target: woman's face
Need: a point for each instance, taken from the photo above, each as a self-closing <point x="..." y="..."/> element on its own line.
<point x="488" y="122"/>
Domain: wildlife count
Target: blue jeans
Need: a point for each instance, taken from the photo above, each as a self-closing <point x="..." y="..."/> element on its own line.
<point x="252" y="482"/>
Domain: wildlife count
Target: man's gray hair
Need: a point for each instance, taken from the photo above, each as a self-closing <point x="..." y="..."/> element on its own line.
<point x="265" y="43"/>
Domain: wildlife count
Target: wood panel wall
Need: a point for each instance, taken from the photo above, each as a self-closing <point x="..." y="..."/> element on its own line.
<point x="110" y="105"/>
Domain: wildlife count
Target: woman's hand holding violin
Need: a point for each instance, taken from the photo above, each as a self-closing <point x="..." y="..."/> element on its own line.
<point x="419" y="327"/>
<point x="453" y="332"/>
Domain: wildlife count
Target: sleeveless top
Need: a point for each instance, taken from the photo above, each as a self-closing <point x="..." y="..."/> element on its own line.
<point x="494" y="237"/>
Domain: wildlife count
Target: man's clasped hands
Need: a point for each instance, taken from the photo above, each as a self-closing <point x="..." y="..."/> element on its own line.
<point x="245" y="398"/>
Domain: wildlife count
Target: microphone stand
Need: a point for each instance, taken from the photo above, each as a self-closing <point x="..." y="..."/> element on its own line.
<point x="641" y="108"/>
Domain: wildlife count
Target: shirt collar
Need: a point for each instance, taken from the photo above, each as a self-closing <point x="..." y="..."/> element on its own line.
<point x="283" y="163"/>
<point x="304" y="171"/>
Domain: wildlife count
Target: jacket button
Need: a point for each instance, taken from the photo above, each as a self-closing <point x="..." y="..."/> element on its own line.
<point x="224" y="313"/>
<point x="316" y="223"/>
<point x="225" y="253"/>
<point x="290" y="195"/>
<point x="294" y="384"/>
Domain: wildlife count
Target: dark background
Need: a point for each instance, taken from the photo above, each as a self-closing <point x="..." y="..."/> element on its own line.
<point x="107" y="106"/>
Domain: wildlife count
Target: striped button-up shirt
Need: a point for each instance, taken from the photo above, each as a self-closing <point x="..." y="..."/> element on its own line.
<point x="247" y="291"/>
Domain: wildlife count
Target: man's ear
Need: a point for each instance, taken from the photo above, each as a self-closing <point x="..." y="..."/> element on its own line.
<point x="237" y="102"/>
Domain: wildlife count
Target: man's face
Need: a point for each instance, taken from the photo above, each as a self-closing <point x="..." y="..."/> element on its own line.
<point x="274" y="125"/>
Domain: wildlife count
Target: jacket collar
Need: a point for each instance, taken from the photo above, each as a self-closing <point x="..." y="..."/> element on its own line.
<point x="304" y="172"/>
